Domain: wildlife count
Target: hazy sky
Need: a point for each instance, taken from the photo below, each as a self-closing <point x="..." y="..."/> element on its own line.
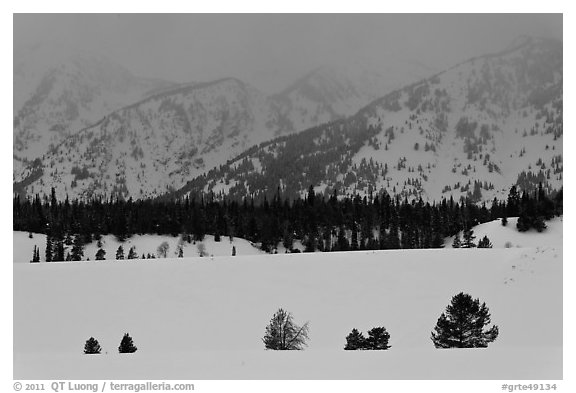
<point x="271" y="50"/>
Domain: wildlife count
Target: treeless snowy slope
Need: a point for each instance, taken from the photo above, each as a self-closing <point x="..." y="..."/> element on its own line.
<point x="204" y="319"/>
<point x="509" y="236"/>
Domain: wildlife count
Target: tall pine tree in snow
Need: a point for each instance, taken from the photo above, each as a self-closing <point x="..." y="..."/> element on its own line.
<point x="92" y="347"/>
<point x="100" y="254"/>
<point x="127" y="345"/>
<point x="377" y="339"/>
<point x="484" y="243"/>
<point x="120" y="253"/>
<point x="462" y="324"/>
<point x="132" y="253"/>
<point x="77" y="249"/>
<point x="468" y="239"/>
<point x="457" y="243"/>
<point x="48" y="251"/>
<point x="355" y="341"/>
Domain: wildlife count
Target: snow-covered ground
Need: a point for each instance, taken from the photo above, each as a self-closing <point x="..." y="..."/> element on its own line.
<point x="204" y="318"/>
<point x="145" y="244"/>
<point x="508" y="236"/>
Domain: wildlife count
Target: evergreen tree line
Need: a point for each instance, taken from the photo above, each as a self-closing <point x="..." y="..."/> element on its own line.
<point x="322" y="224"/>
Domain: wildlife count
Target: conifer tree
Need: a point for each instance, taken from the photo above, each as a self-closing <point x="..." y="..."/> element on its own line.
<point x="60" y="252"/>
<point x="377" y="339"/>
<point x="355" y="341"/>
<point x="35" y="255"/>
<point x="120" y="253"/>
<point x="457" y="243"/>
<point x="283" y="334"/>
<point x="48" y="251"/>
<point x="132" y="253"/>
<point x="437" y="240"/>
<point x="354" y="241"/>
<point x="92" y="347"/>
<point x="468" y="239"/>
<point x="127" y="345"/>
<point x="100" y="254"/>
<point x="484" y="243"/>
<point x="342" y="241"/>
<point x="77" y="249"/>
<point x="462" y="324"/>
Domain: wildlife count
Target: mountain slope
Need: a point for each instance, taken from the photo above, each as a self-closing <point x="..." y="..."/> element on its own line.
<point x="181" y="131"/>
<point x="473" y="130"/>
<point x="148" y="147"/>
<point x="329" y="93"/>
<point x="58" y="92"/>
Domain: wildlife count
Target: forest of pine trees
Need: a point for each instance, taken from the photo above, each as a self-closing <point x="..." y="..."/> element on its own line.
<point x="322" y="224"/>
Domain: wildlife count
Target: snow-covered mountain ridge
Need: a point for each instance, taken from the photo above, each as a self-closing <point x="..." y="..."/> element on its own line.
<point x="473" y="130"/>
<point x="58" y="92"/>
<point x="176" y="132"/>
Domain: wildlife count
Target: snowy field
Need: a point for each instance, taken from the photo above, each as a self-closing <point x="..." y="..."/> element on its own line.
<point x="204" y="318"/>
<point x="499" y="235"/>
<point x="144" y="244"/>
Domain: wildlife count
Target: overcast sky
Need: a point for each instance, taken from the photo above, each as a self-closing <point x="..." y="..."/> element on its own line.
<point x="271" y="50"/>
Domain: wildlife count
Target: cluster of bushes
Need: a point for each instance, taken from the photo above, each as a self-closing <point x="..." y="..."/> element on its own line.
<point x="377" y="339"/>
<point x="462" y="325"/>
<point x="92" y="347"/>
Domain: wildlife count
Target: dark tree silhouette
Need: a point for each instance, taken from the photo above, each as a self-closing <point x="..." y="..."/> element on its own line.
<point x="127" y="345"/>
<point x="377" y="339"/>
<point x="92" y="347"/>
<point x="132" y="253"/>
<point x="355" y="340"/>
<point x="120" y="253"/>
<point x="468" y="238"/>
<point x="484" y="243"/>
<point x="462" y="325"/>
<point x="100" y="254"/>
<point x="283" y="334"/>
<point x="457" y="243"/>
